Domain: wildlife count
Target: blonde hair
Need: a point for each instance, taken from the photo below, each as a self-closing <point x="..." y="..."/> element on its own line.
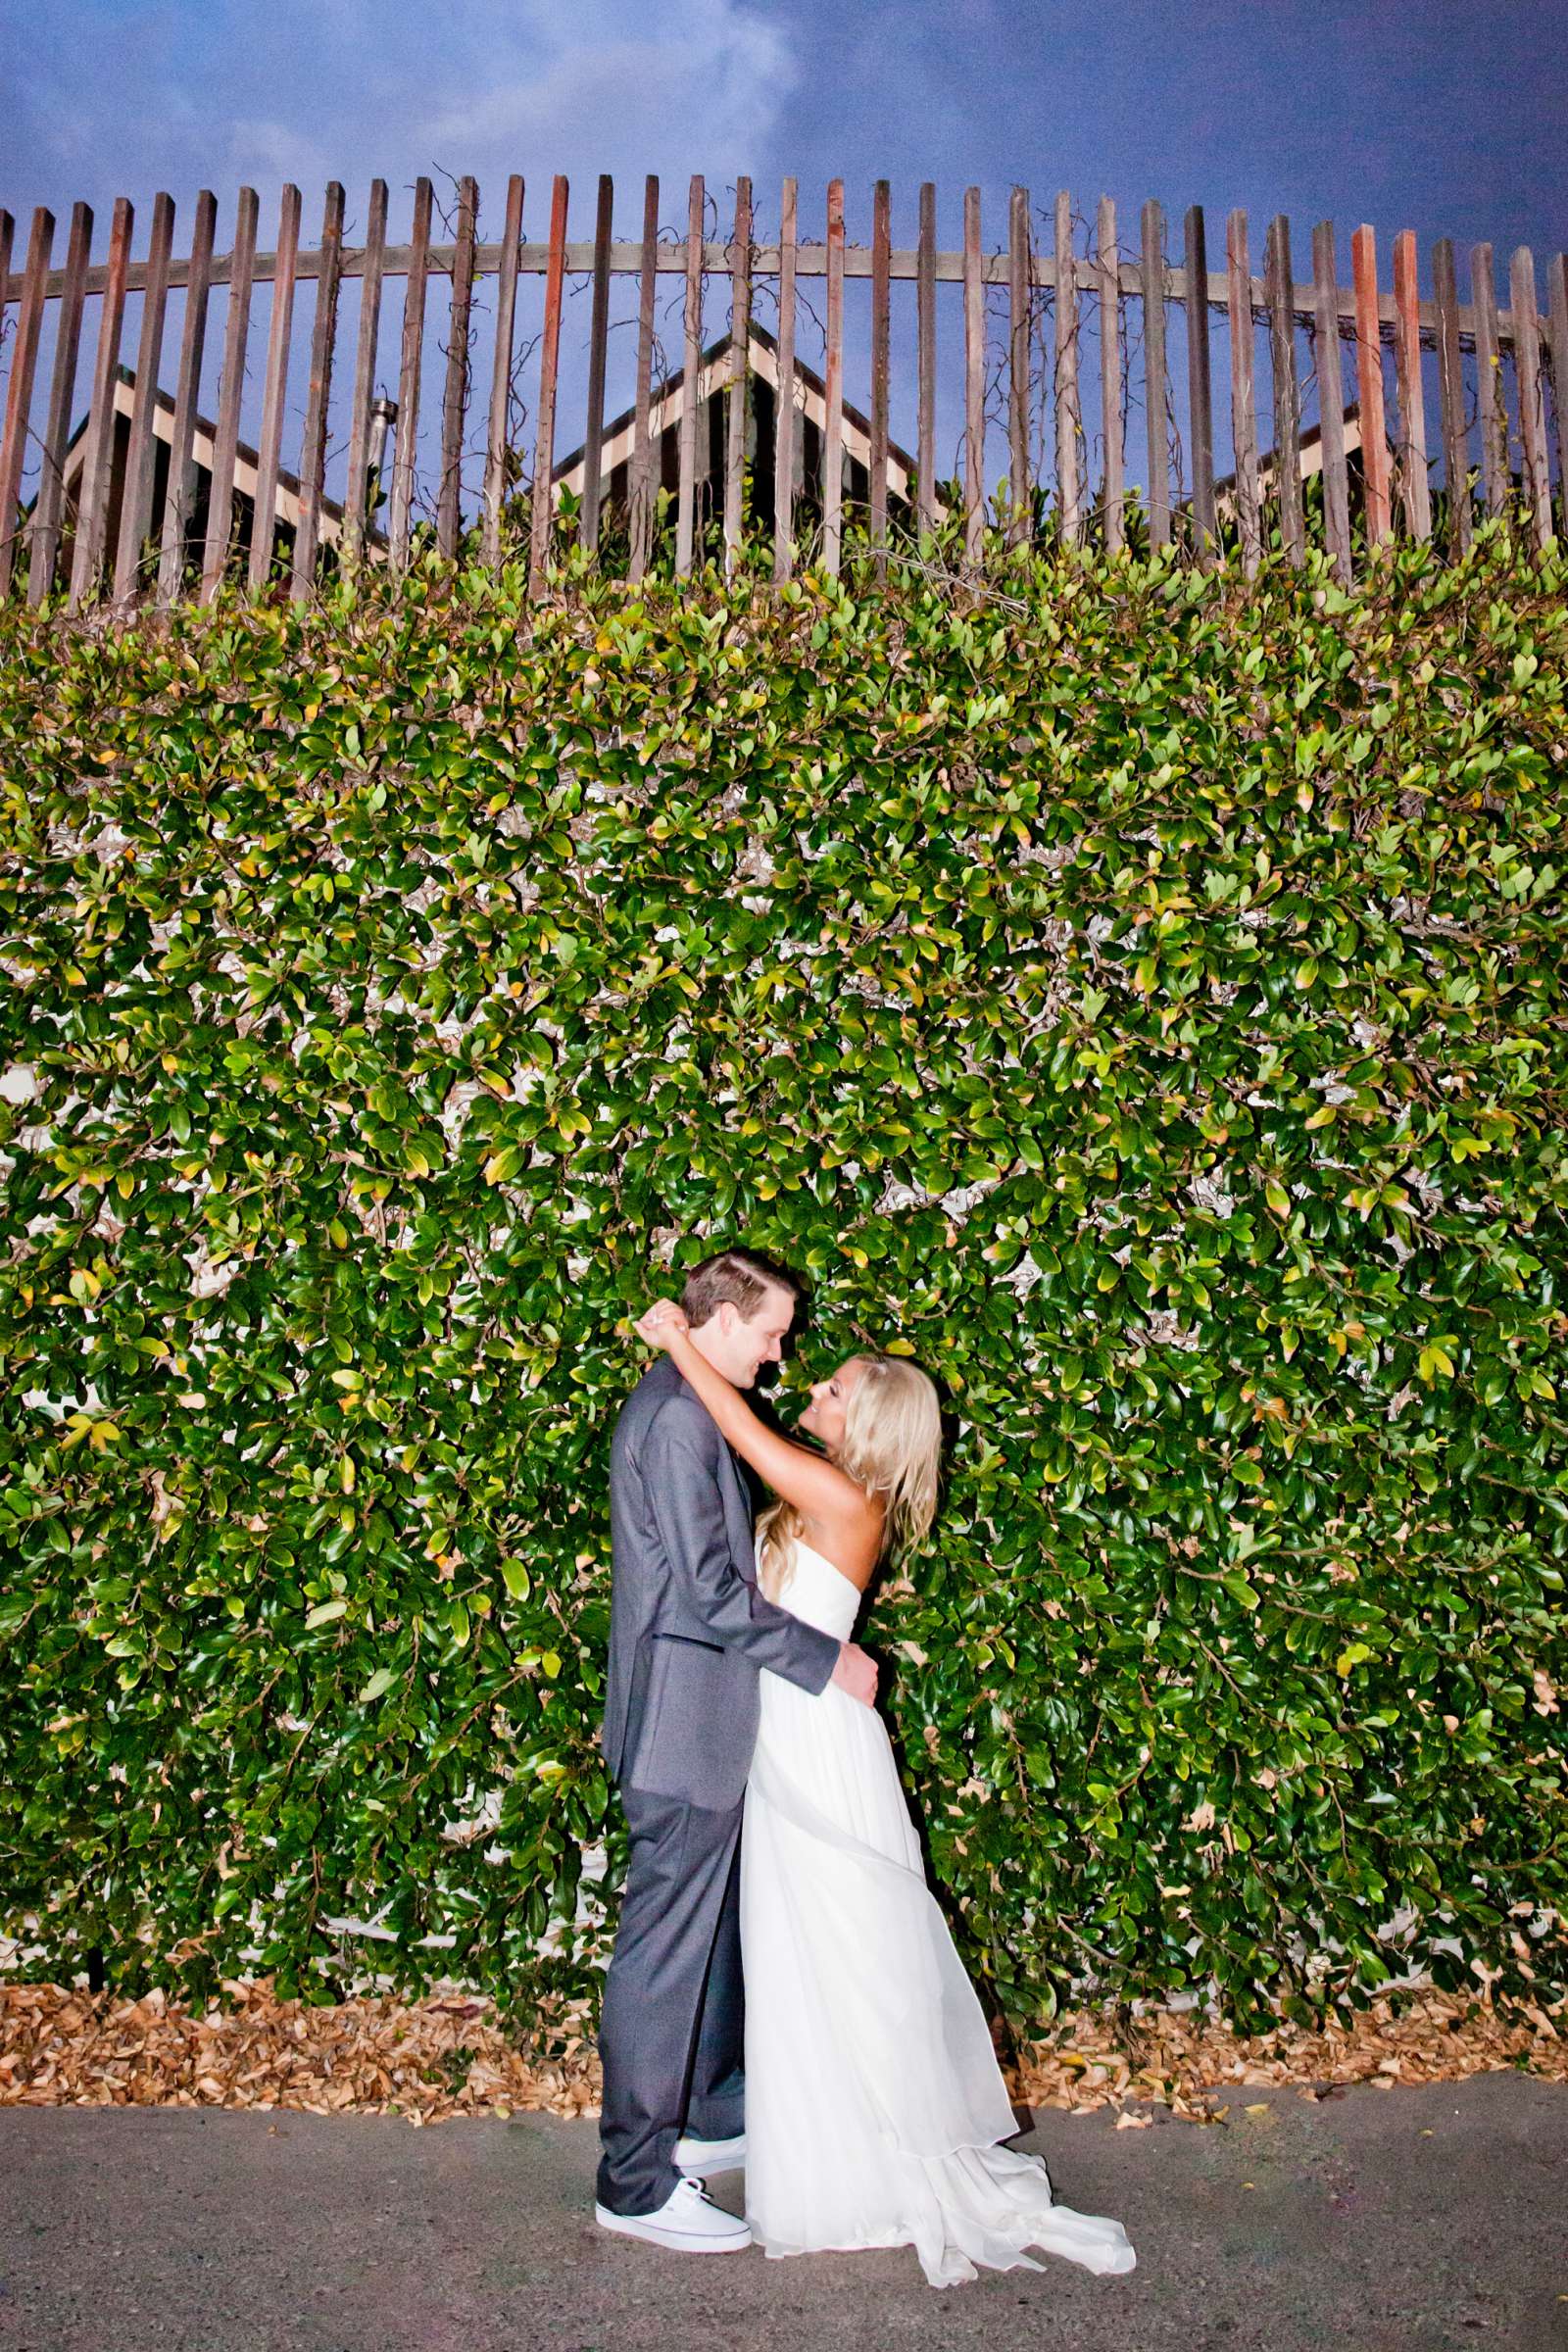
<point x="892" y="1446"/>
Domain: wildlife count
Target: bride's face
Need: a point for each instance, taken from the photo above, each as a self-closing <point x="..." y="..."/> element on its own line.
<point x="823" y="1417"/>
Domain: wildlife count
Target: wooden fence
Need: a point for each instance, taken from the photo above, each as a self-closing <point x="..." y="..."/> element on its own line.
<point x="133" y="491"/>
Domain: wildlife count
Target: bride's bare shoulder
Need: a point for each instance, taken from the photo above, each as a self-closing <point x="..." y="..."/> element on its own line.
<point x="852" y="1543"/>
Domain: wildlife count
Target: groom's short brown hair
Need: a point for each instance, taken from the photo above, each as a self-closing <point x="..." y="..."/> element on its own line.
<point x="741" y="1277"/>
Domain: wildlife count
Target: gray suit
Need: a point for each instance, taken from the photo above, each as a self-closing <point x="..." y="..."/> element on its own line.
<point x="688" y="1633"/>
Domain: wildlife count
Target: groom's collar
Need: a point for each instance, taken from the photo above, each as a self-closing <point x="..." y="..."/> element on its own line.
<point x="664" y="1379"/>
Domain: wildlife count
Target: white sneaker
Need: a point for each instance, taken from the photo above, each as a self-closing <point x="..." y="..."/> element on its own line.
<point x="701" y="2156"/>
<point x="688" y="2222"/>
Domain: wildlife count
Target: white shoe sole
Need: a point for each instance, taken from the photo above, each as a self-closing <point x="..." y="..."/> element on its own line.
<point x="678" y="2241"/>
<point x="696" y="2159"/>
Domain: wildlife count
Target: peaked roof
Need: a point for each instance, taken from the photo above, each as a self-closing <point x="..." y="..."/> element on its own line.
<point x="203" y="435"/>
<point x="1310" y="460"/>
<point x="667" y="401"/>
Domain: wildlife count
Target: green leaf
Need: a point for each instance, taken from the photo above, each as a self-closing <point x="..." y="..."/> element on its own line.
<point x="983" y="939"/>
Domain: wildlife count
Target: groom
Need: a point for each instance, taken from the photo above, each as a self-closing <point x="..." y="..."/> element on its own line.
<point x="688" y="1631"/>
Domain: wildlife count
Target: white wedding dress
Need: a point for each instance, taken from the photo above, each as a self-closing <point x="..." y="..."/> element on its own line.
<point x="874" y="2103"/>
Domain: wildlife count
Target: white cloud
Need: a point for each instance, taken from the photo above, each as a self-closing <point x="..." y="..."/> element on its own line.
<point x="186" y="94"/>
<point x="697" y="84"/>
<point x="311" y="91"/>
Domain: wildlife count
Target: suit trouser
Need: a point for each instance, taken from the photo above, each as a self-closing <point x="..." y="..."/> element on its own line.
<point x="671" y="2035"/>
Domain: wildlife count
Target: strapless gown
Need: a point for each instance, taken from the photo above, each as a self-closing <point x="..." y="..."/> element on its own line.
<point x="874" y="2103"/>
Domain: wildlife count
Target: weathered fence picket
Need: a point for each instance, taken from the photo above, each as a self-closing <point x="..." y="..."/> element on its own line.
<point x="1328" y="359"/>
<point x="1155" y="393"/>
<point x="544" y="448"/>
<point x="881" y="328"/>
<point x="598" y="359"/>
<point x="1369" y="385"/>
<point x="1416" y="492"/>
<point x="1199" y="401"/>
<point x="499" y="423"/>
<point x="1112" y="491"/>
<point x="691" y="372"/>
<point x="740" y="345"/>
<point x="1021" y="338"/>
<point x="323" y="335"/>
<point x="225" y="438"/>
<point x="137" y="494"/>
<point x="357" y="490"/>
<point x="180" y="500"/>
<point x="1450" y="395"/>
<point x="454" y="401"/>
<point x="81" y="461"/>
<point x="784" y="424"/>
<point x="19" y="391"/>
<point x="279" y="333"/>
<point x="1491" y="414"/>
<point x="92" y="507"/>
<point x="833" y="401"/>
<point x="49" y="505"/>
<point x="642" y="447"/>
<point x="1244" y="396"/>
<point x="925" y="506"/>
<point x="1557" y="334"/>
<point x="974" y="380"/>
<point x="1070" y="423"/>
<point x="1531" y="406"/>
<point x="1287" y="391"/>
<point x="416" y="278"/>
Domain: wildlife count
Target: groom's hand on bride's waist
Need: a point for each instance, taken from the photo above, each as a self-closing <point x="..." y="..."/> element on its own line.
<point x="855" y="1673"/>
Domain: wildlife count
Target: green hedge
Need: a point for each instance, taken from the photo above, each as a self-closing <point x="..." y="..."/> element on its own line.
<point x="1138" y="995"/>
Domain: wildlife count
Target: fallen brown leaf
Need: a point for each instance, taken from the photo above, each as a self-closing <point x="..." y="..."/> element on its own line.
<point x="1427" y="2037"/>
<point x="430" y="2061"/>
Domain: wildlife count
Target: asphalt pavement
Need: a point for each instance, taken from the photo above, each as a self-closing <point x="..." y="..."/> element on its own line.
<point x="1421" y="2218"/>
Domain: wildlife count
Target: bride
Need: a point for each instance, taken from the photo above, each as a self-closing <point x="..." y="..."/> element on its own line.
<point x="875" y="2108"/>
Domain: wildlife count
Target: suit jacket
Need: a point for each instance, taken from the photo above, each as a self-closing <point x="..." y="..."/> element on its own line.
<point x="688" y="1628"/>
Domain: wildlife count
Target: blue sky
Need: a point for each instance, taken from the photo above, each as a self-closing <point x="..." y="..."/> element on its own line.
<point x="1437" y="118"/>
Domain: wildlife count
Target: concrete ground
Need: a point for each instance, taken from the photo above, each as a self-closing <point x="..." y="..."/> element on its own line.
<point x="1410" y="2219"/>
